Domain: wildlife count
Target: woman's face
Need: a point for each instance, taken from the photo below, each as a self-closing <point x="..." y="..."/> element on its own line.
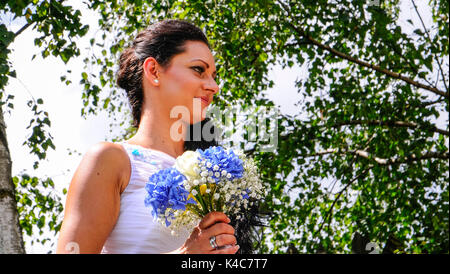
<point x="187" y="85"/>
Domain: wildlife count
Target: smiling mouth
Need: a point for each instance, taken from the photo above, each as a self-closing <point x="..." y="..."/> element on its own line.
<point x="206" y="102"/>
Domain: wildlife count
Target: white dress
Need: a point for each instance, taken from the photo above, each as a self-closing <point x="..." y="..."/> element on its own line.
<point x="135" y="230"/>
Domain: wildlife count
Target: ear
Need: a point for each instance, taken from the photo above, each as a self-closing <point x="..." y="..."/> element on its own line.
<point x="151" y="71"/>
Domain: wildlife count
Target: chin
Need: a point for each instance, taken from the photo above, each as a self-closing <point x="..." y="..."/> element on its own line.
<point x="195" y="120"/>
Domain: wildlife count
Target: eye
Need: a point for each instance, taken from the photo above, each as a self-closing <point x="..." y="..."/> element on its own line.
<point x="198" y="69"/>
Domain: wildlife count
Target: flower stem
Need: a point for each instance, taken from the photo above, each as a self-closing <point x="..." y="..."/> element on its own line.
<point x="202" y="203"/>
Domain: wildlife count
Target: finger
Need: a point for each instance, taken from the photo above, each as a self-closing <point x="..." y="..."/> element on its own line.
<point x="212" y="218"/>
<point x="218" y="229"/>
<point x="225" y="239"/>
<point x="229" y="250"/>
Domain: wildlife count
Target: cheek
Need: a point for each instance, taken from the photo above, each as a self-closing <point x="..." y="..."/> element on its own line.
<point x="180" y="90"/>
<point x="180" y="87"/>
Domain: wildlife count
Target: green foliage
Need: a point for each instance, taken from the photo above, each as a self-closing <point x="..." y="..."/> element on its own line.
<point x="366" y="158"/>
<point x="369" y="158"/>
<point x="40" y="209"/>
<point x="6" y="38"/>
<point x="58" y="26"/>
<point x="40" y="139"/>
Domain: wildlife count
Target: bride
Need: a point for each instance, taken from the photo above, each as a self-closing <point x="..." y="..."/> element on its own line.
<point x="169" y="64"/>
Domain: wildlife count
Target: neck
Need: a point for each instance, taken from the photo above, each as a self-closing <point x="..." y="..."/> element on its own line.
<point x="155" y="132"/>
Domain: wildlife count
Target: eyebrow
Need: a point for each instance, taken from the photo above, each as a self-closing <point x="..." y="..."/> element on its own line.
<point x="207" y="65"/>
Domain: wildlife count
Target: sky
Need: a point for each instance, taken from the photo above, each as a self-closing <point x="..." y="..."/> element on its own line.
<point x="40" y="78"/>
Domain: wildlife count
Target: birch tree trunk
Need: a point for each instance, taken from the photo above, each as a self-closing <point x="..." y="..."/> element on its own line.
<point x="11" y="240"/>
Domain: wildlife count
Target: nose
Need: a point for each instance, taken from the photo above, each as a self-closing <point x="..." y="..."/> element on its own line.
<point x="211" y="85"/>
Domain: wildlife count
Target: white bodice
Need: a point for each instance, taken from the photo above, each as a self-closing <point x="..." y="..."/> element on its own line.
<point x="135" y="230"/>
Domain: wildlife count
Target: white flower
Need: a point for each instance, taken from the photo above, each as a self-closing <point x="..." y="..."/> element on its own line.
<point x="187" y="162"/>
<point x="216" y="196"/>
<point x="217" y="174"/>
<point x="194" y="192"/>
<point x="196" y="182"/>
<point x="208" y="164"/>
<point x="228" y="175"/>
<point x="216" y="167"/>
<point x="224" y="172"/>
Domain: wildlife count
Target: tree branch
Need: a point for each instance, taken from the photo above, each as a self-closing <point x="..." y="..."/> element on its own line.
<point x="383" y="161"/>
<point x="371" y="66"/>
<point x="339" y="195"/>
<point x="342" y="55"/>
<point x="429" y="103"/>
<point x="411" y="65"/>
<point x="22" y="29"/>
<point x="429" y="40"/>
<point x="393" y="124"/>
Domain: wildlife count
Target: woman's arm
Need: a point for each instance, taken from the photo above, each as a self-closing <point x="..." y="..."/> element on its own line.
<point x="93" y="199"/>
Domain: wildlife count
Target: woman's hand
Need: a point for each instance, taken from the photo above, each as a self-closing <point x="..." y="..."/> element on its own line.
<point x="213" y="224"/>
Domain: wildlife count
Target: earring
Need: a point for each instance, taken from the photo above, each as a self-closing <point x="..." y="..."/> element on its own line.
<point x="156" y="81"/>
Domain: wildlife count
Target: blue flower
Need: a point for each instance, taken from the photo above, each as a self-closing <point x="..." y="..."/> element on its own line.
<point x="227" y="161"/>
<point x="165" y="190"/>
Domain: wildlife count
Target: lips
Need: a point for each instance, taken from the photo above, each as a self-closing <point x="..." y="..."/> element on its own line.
<point x="205" y="100"/>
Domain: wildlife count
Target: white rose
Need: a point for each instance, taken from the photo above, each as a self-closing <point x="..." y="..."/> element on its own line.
<point x="187" y="163"/>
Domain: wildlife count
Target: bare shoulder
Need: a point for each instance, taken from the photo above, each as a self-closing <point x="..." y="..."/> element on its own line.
<point x="93" y="199"/>
<point x="109" y="158"/>
<point x="106" y="150"/>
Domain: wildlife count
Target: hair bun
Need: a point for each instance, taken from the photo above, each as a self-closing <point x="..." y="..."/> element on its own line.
<point x="128" y="65"/>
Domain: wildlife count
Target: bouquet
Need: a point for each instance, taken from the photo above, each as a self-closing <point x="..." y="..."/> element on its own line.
<point x="202" y="181"/>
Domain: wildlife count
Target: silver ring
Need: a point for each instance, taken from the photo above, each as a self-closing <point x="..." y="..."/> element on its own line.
<point x="213" y="243"/>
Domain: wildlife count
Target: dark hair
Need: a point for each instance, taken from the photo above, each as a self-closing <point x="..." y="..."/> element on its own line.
<point x="162" y="41"/>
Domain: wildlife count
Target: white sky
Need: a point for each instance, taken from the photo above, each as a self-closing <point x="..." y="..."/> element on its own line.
<point x="41" y="78"/>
